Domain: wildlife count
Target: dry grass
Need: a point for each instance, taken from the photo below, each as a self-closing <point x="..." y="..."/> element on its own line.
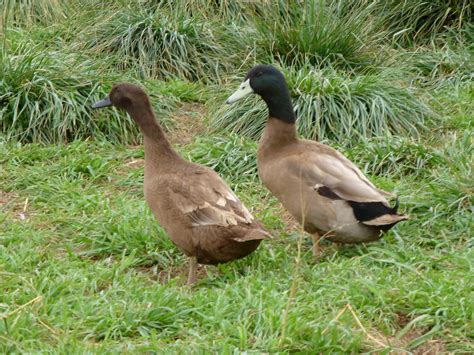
<point x="188" y="121"/>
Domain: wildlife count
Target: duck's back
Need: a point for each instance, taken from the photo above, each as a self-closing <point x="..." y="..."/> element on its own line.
<point x="202" y="215"/>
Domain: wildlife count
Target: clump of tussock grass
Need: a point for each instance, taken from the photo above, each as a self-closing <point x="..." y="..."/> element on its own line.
<point x="332" y="104"/>
<point x="348" y="34"/>
<point x="438" y="66"/>
<point x="230" y="155"/>
<point x="395" y="156"/>
<point x="317" y="31"/>
<point x="161" y="43"/>
<point x="224" y="10"/>
<point x="46" y="96"/>
<point x="28" y="12"/>
<point x="446" y="61"/>
<point x="418" y="21"/>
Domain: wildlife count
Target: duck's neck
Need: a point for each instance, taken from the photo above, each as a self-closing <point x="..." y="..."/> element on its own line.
<point x="277" y="134"/>
<point x="159" y="154"/>
<point x="280" y="106"/>
<point x="280" y="128"/>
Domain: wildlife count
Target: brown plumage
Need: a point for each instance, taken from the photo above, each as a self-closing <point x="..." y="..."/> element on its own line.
<point x="200" y="213"/>
<point x="319" y="186"/>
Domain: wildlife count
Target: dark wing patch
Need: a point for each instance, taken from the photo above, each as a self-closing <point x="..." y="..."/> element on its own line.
<point x="327" y="192"/>
<point x="366" y="211"/>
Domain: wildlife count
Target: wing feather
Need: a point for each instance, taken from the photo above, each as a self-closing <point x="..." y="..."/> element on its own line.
<point x="339" y="174"/>
<point x="207" y="200"/>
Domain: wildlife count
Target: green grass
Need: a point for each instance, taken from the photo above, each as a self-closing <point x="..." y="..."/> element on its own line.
<point x="85" y="267"/>
<point x="46" y="95"/>
<point x="317" y="31"/>
<point x="232" y="156"/>
<point x="418" y="21"/>
<point x="159" y="42"/>
<point x="89" y="247"/>
<point x="440" y="63"/>
<point x="27" y="12"/>
<point x="75" y="52"/>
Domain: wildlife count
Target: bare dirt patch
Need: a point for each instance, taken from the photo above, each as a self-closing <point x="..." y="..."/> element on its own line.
<point x="188" y="122"/>
<point x="291" y="224"/>
<point x="377" y="340"/>
<point x="430" y="347"/>
<point x="402" y="319"/>
<point x="11" y="203"/>
<point x="6" y="198"/>
<point x="135" y="163"/>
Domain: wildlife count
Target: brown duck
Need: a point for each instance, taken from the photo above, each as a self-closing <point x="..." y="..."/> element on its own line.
<point x="319" y="186"/>
<point x="200" y="213"/>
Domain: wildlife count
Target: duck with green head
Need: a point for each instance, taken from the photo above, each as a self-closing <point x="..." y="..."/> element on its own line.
<point x="319" y="186"/>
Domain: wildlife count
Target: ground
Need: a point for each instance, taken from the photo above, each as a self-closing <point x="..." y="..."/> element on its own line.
<point x="85" y="267"/>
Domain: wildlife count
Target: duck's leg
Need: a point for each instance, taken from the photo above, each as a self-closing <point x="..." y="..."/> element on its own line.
<point x="316" y="251"/>
<point x="192" y="276"/>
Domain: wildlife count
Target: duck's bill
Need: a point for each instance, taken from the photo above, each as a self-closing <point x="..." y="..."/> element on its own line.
<point x="102" y="103"/>
<point x="244" y="90"/>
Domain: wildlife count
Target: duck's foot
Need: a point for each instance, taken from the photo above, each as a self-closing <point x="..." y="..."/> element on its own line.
<point x="192" y="276"/>
<point x="316" y="248"/>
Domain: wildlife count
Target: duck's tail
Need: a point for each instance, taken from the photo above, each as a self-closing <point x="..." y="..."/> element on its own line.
<point x="387" y="220"/>
<point x="254" y="234"/>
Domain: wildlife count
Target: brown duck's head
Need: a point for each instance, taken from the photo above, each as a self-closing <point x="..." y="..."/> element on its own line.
<point x="125" y="96"/>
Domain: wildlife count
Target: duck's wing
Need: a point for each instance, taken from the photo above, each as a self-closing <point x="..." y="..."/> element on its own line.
<point x="207" y="201"/>
<point x="334" y="176"/>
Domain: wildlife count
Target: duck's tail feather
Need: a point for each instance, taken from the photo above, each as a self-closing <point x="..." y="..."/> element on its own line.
<point x="387" y="219"/>
<point x="254" y="234"/>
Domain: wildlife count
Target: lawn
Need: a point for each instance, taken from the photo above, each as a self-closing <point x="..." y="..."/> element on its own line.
<point x="85" y="267"/>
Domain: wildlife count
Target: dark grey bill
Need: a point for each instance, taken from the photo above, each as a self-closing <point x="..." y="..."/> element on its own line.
<point x="102" y="103"/>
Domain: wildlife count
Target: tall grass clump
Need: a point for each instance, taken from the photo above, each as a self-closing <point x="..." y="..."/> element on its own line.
<point x="45" y="96"/>
<point x="417" y="21"/>
<point x="318" y="31"/>
<point x="440" y="64"/>
<point x="396" y="156"/>
<point x="232" y="156"/>
<point x="224" y="10"/>
<point x="161" y="42"/>
<point x="31" y="12"/>
<point x="332" y="104"/>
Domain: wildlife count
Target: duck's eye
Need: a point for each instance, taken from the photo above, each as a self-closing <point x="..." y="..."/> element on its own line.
<point x="260" y="73"/>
